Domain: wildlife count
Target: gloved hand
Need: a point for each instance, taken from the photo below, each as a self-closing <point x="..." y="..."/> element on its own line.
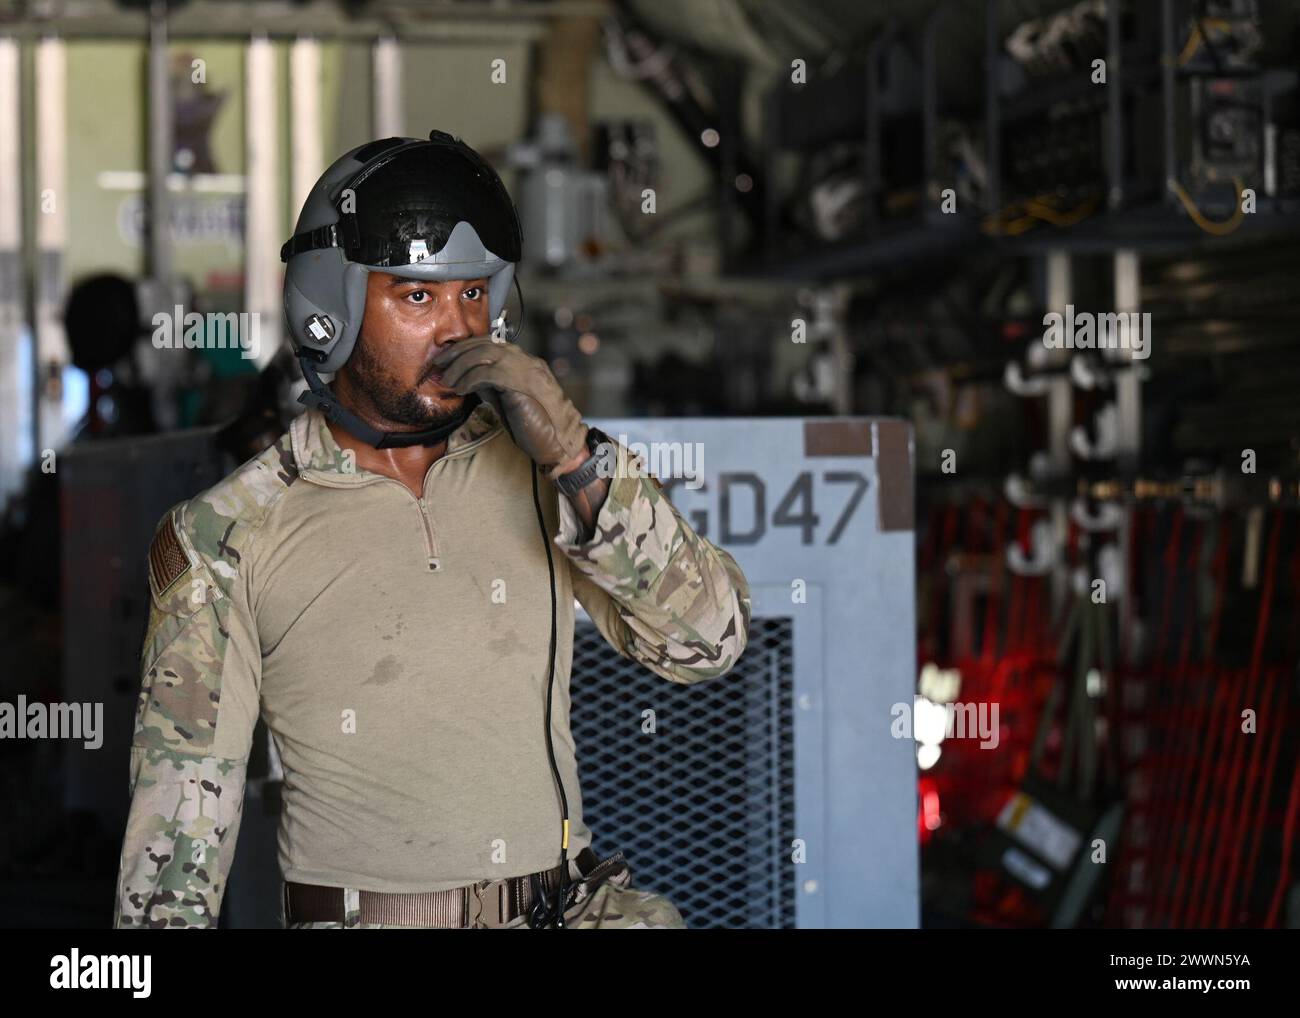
<point x="543" y="421"/>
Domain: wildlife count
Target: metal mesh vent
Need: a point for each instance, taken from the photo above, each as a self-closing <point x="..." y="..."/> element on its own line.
<point x="703" y="808"/>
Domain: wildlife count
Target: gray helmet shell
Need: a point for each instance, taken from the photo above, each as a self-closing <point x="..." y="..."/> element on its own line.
<point x="325" y="293"/>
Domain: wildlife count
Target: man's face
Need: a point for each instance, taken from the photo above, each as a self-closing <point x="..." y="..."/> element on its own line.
<point x="406" y="323"/>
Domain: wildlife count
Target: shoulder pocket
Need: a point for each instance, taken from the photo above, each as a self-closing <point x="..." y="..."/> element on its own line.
<point x="184" y="649"/>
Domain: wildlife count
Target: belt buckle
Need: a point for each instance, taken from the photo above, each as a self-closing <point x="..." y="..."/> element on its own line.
<point x="485" y="904"/>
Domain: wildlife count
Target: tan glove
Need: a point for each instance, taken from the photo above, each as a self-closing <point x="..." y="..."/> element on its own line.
<point x="540" y="418"/>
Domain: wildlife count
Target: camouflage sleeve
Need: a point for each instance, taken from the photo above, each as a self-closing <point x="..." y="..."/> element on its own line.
<point x="657" y="591"/>
<point x="200" y="661"/>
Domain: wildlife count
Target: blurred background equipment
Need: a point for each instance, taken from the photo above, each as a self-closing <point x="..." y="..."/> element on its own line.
<point x="836" y="211"/>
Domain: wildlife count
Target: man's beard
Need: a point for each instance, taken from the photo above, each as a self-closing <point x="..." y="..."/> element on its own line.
<point x="391" y="398"/>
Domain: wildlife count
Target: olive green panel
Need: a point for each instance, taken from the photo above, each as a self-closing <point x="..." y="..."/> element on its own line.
<point x="346" y="97"/>
<point x="452" y="89"/>
<point x="107" y="131"/>
<point x="684" y="174"/>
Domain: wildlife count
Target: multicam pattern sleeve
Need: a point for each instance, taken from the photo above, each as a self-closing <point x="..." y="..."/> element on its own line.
<point x="658" y="592"/>
<point x="200" y="662"/>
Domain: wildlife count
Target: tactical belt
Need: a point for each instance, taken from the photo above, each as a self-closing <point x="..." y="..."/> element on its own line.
<point x="491" y="902"/>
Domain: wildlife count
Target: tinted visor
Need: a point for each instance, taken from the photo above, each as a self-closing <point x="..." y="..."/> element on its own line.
<point x="407" y="206"/>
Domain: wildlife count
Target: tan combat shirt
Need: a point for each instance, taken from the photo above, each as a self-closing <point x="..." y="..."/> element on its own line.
<point x="396" y="648"/>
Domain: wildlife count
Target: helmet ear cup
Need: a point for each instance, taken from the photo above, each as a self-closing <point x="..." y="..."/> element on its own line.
<point x="316" y="281"/>
<point x="313" y="325"/>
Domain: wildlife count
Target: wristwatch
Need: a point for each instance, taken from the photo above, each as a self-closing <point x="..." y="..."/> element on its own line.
<point x="593" y="466"/>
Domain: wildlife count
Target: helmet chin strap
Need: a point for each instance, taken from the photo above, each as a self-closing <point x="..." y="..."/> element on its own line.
<point x="320" y="397"/>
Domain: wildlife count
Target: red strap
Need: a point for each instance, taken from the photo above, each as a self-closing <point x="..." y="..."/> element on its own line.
<point x="1288" y="836"/>
<point x="1205" y="766"/>
<point x="1237" y="829"/>
<point x="1281" y="728"/>
<point x="1171" y="766"/>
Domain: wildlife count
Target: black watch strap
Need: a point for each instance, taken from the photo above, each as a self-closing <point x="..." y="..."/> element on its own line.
<point x="575" y="480"/>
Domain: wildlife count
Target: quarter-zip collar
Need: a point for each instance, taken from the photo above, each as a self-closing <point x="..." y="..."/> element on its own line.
<point x="321" y="459"/>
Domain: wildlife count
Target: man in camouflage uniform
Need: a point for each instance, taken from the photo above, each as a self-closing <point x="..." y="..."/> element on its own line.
<point x="387" y="609"/>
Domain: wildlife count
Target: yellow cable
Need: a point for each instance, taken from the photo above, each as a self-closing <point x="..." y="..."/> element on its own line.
<point x="996" y="225"/>
<point x="1019" y="226"/>
<point x="1002" y="222"/>
<point x="1194" y="40"/>
<point x="1193" y="44"/>
<point x="1033" y="211"/>
<point x="1050" y="215"/>
<point x="1216" y="228"/>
